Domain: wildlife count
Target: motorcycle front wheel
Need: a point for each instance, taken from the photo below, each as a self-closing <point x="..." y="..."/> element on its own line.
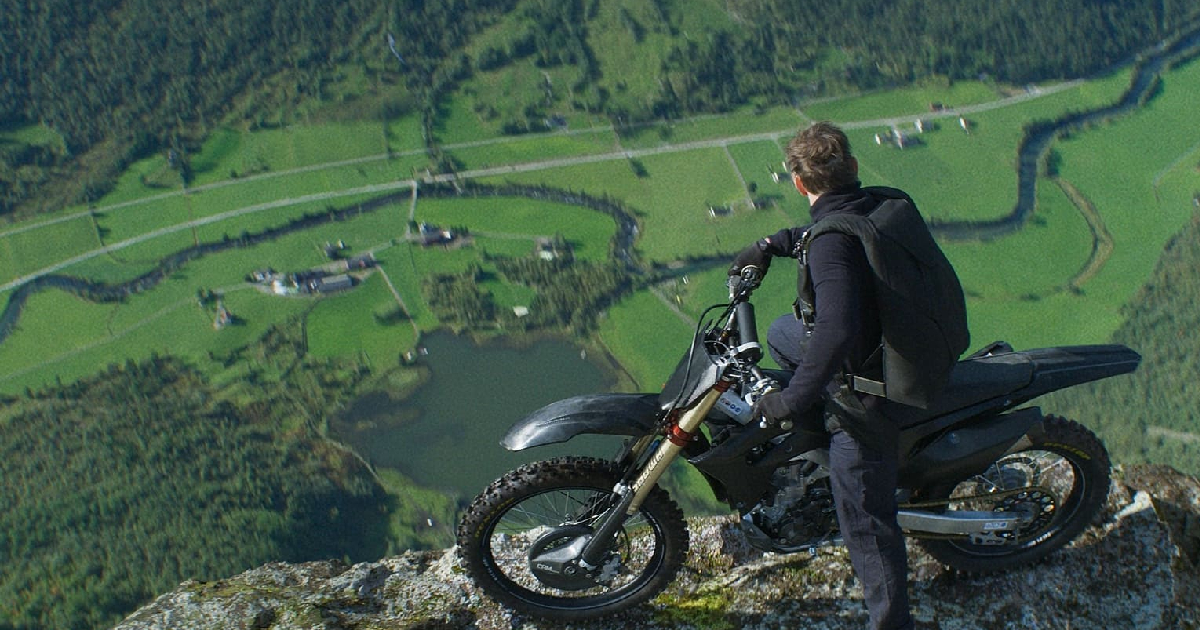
<point x="530" y="510"/>
<point x="1060" y="481"/>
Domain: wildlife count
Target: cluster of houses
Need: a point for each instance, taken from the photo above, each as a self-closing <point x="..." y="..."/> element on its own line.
<point x="727" y="209"/>
<point x="901" y="138"/>
<point x="326" y="280"/>
<point x="333" y="251"/>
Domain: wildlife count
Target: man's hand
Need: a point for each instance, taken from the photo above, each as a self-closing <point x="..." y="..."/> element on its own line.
<point x="755" y="255"/>
<point x="773" y="409"/>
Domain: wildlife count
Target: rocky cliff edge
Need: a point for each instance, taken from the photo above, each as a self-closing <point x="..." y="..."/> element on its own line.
<point x="1138" y="567"/>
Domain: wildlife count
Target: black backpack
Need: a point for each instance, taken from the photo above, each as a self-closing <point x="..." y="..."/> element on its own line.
<point x="922" y="310"/>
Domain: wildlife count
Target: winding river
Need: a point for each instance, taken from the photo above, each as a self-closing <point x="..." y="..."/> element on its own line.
<point x="1039" y="136"/>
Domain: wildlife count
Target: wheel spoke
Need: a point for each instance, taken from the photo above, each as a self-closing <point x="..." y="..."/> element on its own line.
<point x="543" y="513"/>
<point x="1056" y="485"/>
<point x="1032" y="482"/>
<point x="526" y="521"/>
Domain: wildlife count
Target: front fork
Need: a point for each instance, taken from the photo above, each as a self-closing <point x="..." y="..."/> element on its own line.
<point x="678" y="435"/>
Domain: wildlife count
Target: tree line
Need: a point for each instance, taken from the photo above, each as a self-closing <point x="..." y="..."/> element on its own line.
<point x="119" y="79"/>
<point x="130" y="77"/>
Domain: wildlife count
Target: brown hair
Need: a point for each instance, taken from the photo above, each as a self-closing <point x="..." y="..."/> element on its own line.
<point x="820" y="156"/>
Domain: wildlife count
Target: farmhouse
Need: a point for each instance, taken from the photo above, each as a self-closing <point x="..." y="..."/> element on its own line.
<point x="780" y="176"/>
<point x="548" y="249"/>
<point x="433" y="235"/>
<point x="331" y="284"/>
<point x="362" y="261"/>
<point x="896" y="138"/>
<point x="333" y="250"/>
<point x="223" y="318"/>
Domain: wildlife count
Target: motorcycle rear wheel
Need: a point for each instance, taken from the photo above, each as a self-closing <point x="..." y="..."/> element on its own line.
<point x="519" y="511"/>
<point x="1063" y="476"/>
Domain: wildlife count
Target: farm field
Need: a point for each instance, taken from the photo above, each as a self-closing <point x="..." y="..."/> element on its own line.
<point x="690" y="186"/>
<point x="24" y="251"/>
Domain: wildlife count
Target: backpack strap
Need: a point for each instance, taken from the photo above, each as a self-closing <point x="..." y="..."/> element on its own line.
<point x="862" y="228"/>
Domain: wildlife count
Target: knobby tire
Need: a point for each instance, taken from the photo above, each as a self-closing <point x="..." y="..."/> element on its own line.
<point x="662" y="529"/>
<point x="1069" y="444"/>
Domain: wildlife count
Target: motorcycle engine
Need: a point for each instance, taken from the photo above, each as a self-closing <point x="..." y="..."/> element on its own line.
<point x="801" y="513"/>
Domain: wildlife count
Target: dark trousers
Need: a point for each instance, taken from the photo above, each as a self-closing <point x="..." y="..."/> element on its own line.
<point x="864" y="491"/>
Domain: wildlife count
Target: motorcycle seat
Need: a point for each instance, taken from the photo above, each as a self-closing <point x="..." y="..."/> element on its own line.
<point x="973" y="380"/>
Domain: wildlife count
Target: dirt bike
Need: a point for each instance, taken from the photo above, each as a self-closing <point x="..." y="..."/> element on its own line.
<point x="985" y="484"/>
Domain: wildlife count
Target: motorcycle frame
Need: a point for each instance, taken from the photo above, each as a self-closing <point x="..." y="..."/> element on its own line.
<point x="959" y="437"/>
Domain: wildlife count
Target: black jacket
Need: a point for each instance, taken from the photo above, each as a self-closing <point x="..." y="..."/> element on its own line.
<point x="847" y="329"/>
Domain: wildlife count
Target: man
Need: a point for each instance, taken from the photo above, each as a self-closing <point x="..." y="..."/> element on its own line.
<point x="843" y="334"/>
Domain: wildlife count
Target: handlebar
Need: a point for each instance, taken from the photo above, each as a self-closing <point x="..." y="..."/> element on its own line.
<point x="743" y="284"/>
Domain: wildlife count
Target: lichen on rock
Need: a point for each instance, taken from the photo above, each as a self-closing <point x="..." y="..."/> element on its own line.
<point x="1136" y="567"/>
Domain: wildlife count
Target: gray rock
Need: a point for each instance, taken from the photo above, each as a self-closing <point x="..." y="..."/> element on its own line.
<point x="1137" y="567"/>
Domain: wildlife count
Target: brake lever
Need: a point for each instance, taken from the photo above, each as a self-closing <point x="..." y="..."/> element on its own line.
<point x="741" y="285"/>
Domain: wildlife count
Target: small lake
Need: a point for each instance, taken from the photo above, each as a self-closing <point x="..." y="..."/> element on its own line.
<point x="447" y="434"/>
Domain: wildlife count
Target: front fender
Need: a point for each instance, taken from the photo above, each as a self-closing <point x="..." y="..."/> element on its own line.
<point x="605" y="414"/>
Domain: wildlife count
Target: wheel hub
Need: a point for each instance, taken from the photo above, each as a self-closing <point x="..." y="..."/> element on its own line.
<point x="554" y="558"/>
<point x="1036" y="505"/>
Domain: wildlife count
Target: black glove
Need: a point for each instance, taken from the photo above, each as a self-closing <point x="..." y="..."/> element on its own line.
<point x="772" y="408"/>
<point x="755" y="255"/>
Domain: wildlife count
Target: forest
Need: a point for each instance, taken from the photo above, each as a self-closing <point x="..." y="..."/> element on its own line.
<point x="1150" y="415"/>
<point x="115" y="80"/>
<point x="119" y="487"/>
<point x="570" y="294"/>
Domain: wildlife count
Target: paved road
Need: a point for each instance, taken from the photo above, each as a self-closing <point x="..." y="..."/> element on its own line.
<point x="180" y="227"/>
<point x="527" y="167"/>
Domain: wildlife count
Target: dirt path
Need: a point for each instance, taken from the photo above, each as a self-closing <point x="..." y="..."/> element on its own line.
<point x="400" y="301"/>
<point x="737" y="171"/>
<point x="1102" y="241"/>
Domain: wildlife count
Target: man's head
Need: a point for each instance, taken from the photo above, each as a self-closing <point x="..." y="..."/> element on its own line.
<point x="819" y="158"/>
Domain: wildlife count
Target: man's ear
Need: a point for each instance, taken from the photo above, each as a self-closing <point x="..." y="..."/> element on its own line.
<point x="799" y="184"/>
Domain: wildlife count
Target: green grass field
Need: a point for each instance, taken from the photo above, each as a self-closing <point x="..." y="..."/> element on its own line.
<point x="350" y="323"/>
<point x="496" y="223"/>
<point x="1015" y="284"/>
<point x="1117" y="166"/>
<point x="537" y="147"/>
<point x="28" y="251"/>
